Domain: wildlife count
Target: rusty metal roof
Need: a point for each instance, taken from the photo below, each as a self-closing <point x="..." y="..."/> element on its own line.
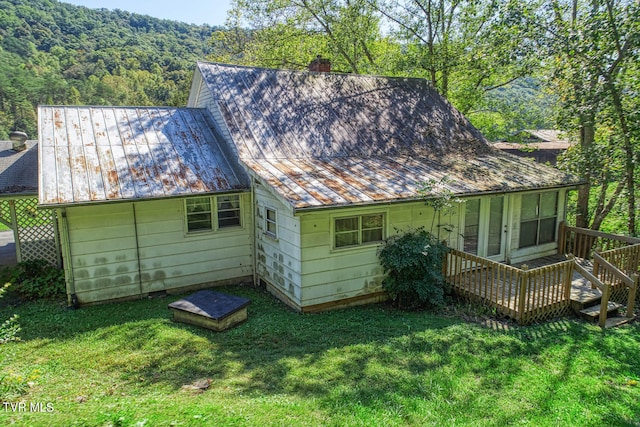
<point x="18" y="169"/>
<point x="324" y="139"/>
<point x="104" y="154"/>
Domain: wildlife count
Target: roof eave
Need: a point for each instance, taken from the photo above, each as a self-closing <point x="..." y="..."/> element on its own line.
<point x="305" y="209"/>
<point x="139" y="200"/>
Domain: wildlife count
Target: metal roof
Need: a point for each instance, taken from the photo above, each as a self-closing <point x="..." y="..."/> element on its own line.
<point x="324" y="139"/>
<point x="18" y="169"/>
<point x="100" y="154"/>
<point x="538" y="139"/>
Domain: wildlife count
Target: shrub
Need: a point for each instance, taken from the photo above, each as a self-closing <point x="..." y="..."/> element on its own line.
<point x="413" y="264"/>
<point x="38" y="279"/>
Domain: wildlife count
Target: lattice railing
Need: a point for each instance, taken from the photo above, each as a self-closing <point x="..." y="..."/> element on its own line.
<point x="36" y="229"/>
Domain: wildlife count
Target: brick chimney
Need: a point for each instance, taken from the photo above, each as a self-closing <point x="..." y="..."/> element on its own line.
<point x="320" y="65"/>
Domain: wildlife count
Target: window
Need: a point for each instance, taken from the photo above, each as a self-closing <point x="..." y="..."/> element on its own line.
<point x="484" y="227"/>
<point x="358" y="230"/>
<point x="538" y="219"/>
<point x="228" y="211"/>
<point x="200" y="212"/>
<point x="270" y="222"/>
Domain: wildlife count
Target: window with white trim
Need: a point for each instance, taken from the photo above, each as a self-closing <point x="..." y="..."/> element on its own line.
<point x="271" y="222"/>
<point x="201" y="211"/>
<point x="538" y="218"/>
<point x="358" y="230"/>
<point x="198" y="210"/>
<point x="228" y="210"/>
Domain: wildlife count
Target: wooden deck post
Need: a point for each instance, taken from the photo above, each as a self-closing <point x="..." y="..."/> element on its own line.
<point x="523" y="278"/>
<point x="604" y="305"/>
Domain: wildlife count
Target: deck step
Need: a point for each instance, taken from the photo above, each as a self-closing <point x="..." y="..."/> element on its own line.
<point x="593" y="312"/>
<point x="584" y="296"/>
<point x="617" y="321"/>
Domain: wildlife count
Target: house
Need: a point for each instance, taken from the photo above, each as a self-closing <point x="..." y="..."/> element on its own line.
<point x="542" y="145"/>
<point x="34" y="231"/>
<point x="284" y="178"/>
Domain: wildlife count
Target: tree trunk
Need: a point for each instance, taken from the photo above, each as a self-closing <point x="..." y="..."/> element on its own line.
<point x="587" y="135"/>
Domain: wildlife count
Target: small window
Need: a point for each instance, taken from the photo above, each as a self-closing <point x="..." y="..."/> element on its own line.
<point x="198" y="214"/>
<point x="228" y="211"/>
<point x="270" y="222"/>
<point x="358" y="230"/>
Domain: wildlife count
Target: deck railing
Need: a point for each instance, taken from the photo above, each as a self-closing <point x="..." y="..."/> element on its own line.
<point x="582" y="242"/>
<point x="619" y="270"/>
<point x="626" y="259"/>
<point x="522" y="294"/>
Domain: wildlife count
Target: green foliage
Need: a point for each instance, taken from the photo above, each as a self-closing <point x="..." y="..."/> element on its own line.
<point x="442" y="199"/>
<point x="290" y="34"/>
<point x="38" y="279"/>
<point x="413" y="264"/>
<point x="58" y="53"/>
<point x="9" y="328"/>
<point x="504" y="112"/>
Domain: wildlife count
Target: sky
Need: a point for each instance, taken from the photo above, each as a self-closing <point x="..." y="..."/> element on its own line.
<point x="212" y="12"/>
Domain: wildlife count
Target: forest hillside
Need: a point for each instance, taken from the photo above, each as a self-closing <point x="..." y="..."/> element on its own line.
<point x="56" y="53"/>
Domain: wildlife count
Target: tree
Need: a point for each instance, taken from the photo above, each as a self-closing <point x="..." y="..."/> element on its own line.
<point x="289" y="33"/>
<point x="464" y="47"/>
<point x="591" y="51"/>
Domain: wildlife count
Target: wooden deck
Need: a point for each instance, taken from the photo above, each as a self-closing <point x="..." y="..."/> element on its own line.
<point x="582" y="291"/>
<point x="551" y="286"/>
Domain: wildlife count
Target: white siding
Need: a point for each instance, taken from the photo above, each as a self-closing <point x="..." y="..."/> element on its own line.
<point x="202" y="97"/>
<point x="330" y="274"/>
<point x="172" y="258"/>
<point x="278" y="260"/>
<point x="104" y="250"/>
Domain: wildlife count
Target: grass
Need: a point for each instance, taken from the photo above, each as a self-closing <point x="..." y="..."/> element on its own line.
<point x="125" y="364"/>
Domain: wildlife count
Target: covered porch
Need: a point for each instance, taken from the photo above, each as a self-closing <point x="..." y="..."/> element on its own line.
<point x="590" y="268"/>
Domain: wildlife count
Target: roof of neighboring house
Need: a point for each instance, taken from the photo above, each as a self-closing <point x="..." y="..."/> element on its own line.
<point x="18" y="169"/>
<point x="324" y="139"/>
<point x="538" y="139"/>
<point x="99" y="154"/>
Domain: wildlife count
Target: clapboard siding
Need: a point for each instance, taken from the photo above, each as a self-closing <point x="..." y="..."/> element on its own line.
<point x="202" y="96"/>
<point x="105" y="249"/>
<point x="330" y="275"/>
<point x="170" y="257"/>
<point x="278" y="259"/>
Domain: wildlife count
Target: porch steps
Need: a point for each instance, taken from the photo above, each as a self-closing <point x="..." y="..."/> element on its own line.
<point x="593" y="313"/>
<point x="583" y="296"/>
<point x="612" y="322"/>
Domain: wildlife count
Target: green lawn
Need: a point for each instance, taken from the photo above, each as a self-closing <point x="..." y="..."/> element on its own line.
<point x="125" y="364"/>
